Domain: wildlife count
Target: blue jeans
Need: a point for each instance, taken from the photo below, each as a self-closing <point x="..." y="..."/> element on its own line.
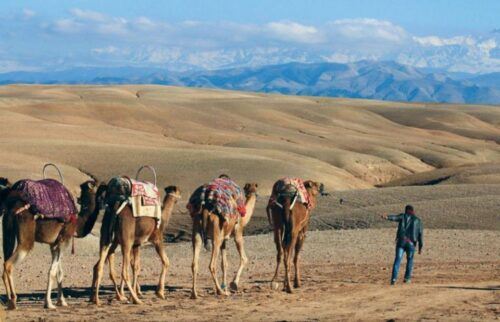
<point x="401" y="248"/>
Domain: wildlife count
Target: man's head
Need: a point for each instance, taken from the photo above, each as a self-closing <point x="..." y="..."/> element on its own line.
<point x="224" y="176"/>
<point x="409" y="210"/>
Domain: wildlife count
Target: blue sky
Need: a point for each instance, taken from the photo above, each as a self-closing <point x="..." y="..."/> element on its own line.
<point x="182" y="34"/>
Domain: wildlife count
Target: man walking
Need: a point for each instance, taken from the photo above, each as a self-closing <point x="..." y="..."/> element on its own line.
<point x="410" y="232"/>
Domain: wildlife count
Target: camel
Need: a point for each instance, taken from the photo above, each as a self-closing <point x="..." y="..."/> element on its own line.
<point x="20" y="224"/>
<point x="290" y="221"/>
<point x="130" y="233"/>
<point x="207" y="224"/>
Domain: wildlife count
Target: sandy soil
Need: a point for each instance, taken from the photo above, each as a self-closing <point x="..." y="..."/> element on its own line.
<point x="345" y="276"/>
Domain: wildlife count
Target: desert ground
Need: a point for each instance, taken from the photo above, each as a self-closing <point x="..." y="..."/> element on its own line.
<point x="374" y="156"/>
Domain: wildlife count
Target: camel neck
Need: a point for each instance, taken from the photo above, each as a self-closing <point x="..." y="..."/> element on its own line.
<point x="87" y="217"/>
<point x="249" y="206"/>
<point x="167" y="209"/>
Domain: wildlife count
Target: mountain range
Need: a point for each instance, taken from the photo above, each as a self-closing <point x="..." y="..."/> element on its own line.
<point x="364" y="79"/>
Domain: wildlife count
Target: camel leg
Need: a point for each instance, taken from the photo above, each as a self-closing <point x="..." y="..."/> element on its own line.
<point x="288" y="259"/>
<point x="197" y="242"/>
<point x="160" y="290"/>
<point x="61" y="301"/>
<point x="126" y="251"/>
<point x="238" y="239"/>
<point x="224" y="266"/>
<point x="8" y="268"/>
<point x="98" y="271"/>
<point x="112" y="274"/>
<point x="298" y="248"/>
<point x="216" y="243"/>
<point x="279" y="255"/>
<point x="136" y="267"/>
<point x="52" y="276"/>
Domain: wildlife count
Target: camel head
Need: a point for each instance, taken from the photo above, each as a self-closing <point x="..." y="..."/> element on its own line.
<point x="4" y="183"/>
<point x="172" y="191"/>
<point x="313" y="187"/>
<point x="250" y="188"/>
<point x="5" y="188"/>
<point x="91" y="191"/>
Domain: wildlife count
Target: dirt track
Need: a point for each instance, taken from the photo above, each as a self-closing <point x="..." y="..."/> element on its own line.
<point x="345" y="276"/>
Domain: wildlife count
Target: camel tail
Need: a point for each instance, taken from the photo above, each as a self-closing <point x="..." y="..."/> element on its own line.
<point x="9" y="230"/>
<point x="204" y="225"/>
<point x="287" y="237"/>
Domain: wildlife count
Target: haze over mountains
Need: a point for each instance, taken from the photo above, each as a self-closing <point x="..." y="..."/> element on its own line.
<point x="365" y="79"/>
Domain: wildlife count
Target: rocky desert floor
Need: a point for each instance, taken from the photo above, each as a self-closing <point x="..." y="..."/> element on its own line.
<point x="373" y="157"/>
<point x="345" y="276"/>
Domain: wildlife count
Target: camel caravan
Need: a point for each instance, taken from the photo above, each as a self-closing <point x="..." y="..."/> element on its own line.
<point x="45" y="211"/>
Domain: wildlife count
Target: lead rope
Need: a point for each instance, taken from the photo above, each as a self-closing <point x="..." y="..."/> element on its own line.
<point x="73" y="245"/>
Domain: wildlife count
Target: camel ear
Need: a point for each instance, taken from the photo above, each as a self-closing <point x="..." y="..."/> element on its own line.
<point x="308" y="184"/>
<point x="256" y="185"/>
<point x="247" y="186"/>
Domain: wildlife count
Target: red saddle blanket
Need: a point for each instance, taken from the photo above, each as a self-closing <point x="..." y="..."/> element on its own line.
<point x="47" y="197"/>
<point x="299" y="190"/>
<point x="146" y="190"/>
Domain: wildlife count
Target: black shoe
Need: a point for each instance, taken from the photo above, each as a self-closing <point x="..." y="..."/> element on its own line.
<point x="393" y="282"/>
<point x="407" y="281"/>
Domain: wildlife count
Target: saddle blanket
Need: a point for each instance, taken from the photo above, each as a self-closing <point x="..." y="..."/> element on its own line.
<point x="144" y="199"/>
<point x="48" y="197"/>
<point x="297" y="184"/>
<point x="221" y="196"/>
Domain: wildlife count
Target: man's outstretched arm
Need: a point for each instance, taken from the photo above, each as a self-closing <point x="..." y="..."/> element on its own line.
<point x="392" y="217"/>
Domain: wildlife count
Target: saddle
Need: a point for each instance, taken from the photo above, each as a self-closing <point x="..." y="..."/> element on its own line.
<point x="290" y="187"/>
<point x="142" y="196"/>
<point x="222" y="196"/>
<point x="47" y="197"/>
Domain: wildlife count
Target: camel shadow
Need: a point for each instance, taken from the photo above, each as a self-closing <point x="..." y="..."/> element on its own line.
<point x="472" y="288"/>
<point x="85" y="292"/>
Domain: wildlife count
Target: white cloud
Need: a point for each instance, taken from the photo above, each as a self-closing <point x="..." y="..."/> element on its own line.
<point x="88" y="15"/>
<point x="438" y="41"/>
<point x="67" y="26"/>
<point x="365" y="28"/>
<point x="28" y="13"/>
<point x="295" y="32"/>
<point x="105" y="50"/>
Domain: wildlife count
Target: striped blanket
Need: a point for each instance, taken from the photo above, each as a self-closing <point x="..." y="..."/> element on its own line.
<point x="47" y="197"/>
<point x="221" y="196"/>
<point x="291" y="187"/>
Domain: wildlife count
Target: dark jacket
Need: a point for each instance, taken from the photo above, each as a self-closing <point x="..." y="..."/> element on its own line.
<point x="409" y="227"/>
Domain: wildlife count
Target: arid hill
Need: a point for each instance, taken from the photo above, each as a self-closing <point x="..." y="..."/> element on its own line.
<point x="192" y="135"/>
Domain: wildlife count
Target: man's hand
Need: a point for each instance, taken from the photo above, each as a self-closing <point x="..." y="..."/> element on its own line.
<point x="383" y="217"/>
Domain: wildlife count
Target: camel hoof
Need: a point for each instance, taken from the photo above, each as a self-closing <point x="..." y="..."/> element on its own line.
<point x="289" y="290"/>
<point x="275" y="285"/>
<point x="49" y="306"/>
<point x="11" y="305"/>
<point x="194" y="296"/>
<point x="160" y="295"/>
<point x="121" y="298"/>
<point x="296" y="284"/>
<point x="135" y="301"/>
<point x="233" y="286"/>
<point x="62" y="303"/>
